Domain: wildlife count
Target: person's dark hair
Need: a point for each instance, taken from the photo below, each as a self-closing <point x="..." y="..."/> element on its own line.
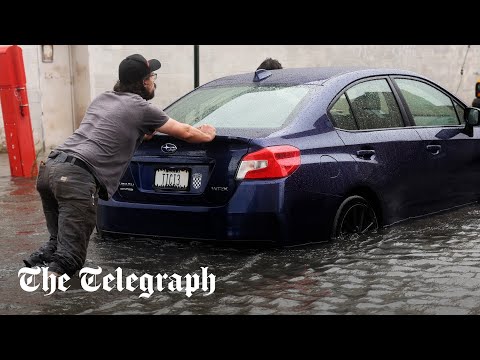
<point x="270" y="64"/>
<point x="136" y="88"/>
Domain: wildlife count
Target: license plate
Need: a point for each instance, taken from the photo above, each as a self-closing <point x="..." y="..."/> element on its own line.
<point x="172" y="179"/>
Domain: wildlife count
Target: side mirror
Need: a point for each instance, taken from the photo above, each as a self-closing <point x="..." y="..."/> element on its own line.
<point x="472" y="116"/>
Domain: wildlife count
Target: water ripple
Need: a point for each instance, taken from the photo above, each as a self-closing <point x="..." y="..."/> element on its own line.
<point x="425" y="266"/>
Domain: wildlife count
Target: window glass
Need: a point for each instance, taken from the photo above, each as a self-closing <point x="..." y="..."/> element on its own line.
<point x="341" y="114"/>
<point x="374" y="105"/>
<point x="243" y="107"/>
<point x="428" y="106"/>
<point x="460" y="112"/>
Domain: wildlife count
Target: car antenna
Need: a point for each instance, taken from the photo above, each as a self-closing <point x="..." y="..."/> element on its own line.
<point x="261" y="74"/>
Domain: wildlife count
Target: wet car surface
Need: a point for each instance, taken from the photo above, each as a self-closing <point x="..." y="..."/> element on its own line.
<point x="301" y="155"/>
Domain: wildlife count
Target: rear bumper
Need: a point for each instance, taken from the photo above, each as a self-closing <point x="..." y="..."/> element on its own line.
<point x="169" y="222"/>
<point x="254" y="213"/>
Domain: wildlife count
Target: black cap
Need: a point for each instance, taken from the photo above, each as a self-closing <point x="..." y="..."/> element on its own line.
<point x="135" y="67"/>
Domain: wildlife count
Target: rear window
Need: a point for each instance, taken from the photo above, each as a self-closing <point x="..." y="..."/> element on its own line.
<point x="239" y="107"/>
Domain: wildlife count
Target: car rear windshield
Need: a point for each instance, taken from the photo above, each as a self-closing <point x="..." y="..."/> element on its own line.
<point x="239" y="107"/>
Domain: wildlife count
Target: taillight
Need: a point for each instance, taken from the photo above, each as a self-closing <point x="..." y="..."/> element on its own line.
<point x="272" y="162"/>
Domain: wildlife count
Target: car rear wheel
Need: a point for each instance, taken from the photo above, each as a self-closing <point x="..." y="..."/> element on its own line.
<point x="355" y="217"/>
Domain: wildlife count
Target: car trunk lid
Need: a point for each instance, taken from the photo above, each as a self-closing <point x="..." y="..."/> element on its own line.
<point x="166" y="170"/>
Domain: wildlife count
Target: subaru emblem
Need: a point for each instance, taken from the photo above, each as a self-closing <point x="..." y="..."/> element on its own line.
<point x="169" y="148"/>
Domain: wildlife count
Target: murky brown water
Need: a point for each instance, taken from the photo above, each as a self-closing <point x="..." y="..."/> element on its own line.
<point x="427" y="266"/>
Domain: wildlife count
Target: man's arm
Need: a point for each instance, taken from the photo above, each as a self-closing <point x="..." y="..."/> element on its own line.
<point x="188" y="133"/>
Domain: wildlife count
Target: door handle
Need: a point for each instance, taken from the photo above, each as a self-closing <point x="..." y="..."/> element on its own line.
<point x="365" y="154"/>
<point x="434" y="149"/>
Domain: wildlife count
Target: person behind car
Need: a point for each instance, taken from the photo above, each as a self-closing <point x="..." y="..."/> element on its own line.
<point x="476" y="100"/>
<point x="270" y="64"/>
<point x="91" y="162"/>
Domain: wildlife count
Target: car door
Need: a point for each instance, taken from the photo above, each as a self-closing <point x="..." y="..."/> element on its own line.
<point x="452" y="156"/>
<point x="371" y="124"/>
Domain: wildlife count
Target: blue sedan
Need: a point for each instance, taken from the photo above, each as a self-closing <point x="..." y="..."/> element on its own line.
<point x="302" y="155"/>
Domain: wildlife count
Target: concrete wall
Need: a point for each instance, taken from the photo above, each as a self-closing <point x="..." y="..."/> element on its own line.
<point x="57" y="106"/>
<point x="175" y="77"/>
<point x="441" y="63"/>
<point x="57" y="97"/>
<point x="82" y="90"/>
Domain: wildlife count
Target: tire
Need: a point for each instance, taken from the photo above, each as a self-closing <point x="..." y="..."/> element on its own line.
<point x="355" y="217"/>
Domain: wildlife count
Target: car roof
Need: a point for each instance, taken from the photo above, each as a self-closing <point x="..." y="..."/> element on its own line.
<point x="307" y="75"/>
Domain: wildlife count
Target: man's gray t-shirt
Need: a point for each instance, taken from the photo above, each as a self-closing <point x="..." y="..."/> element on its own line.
<point x="110" y="132"/>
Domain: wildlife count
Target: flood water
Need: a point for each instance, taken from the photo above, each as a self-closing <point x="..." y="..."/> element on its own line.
<point x="426" y="266"/>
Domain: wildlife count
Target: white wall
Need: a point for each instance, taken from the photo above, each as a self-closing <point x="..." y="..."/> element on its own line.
<point x="441" y="63"/>
<point x="57" y="101"/>
<point x="94" y="69"/>
<point x="82" y="91"/>
<point x="175" y="77"/>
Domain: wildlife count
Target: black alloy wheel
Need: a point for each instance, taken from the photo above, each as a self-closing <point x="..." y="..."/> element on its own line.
<point x="355" y="217"/>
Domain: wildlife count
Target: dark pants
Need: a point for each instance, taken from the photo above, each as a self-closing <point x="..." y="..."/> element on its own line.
<point x="69" y="196"/>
